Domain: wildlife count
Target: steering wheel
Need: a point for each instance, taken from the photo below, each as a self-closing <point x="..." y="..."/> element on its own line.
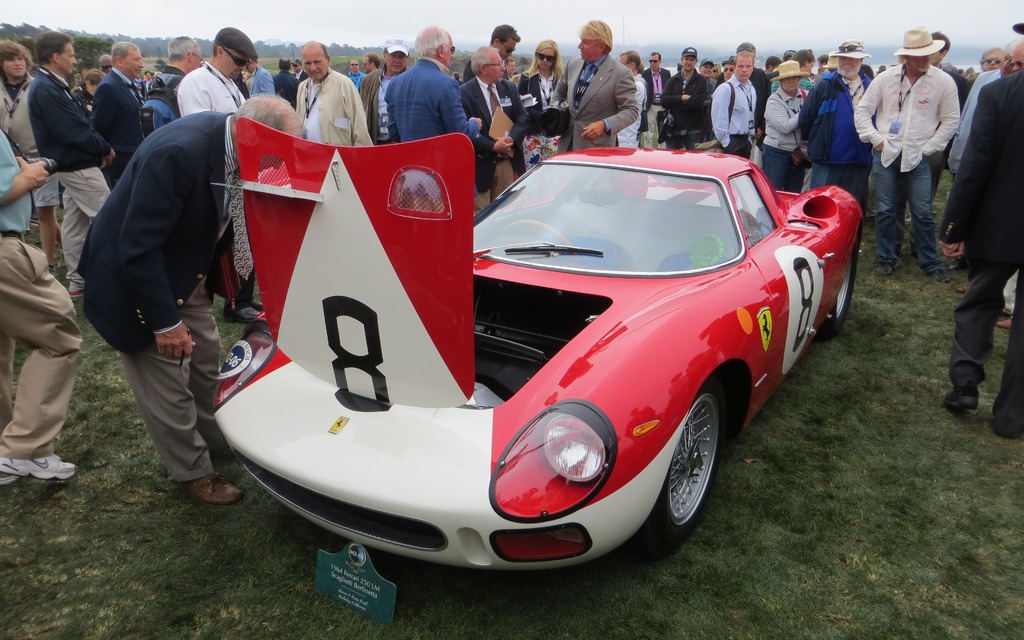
<point x="532" y="227"/>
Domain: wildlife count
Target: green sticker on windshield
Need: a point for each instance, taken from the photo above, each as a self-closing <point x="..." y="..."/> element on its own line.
<point x="707" y="251"/>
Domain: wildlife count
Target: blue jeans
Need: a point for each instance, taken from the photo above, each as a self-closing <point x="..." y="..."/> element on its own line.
<point x="782" y="173"/>
<point x="852" y="177"/>
<point x="917" y="184"/>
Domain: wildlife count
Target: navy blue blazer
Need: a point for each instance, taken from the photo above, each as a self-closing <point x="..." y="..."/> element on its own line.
<point x="475" y="106"/>
<point x="155" y="238"/>
<point x="115" y="116"/>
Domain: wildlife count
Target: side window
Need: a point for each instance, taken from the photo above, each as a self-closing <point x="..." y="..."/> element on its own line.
<point x="757" y="222"/>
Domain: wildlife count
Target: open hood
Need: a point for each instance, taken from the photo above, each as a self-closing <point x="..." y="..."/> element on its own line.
<point x="363" y="256"/>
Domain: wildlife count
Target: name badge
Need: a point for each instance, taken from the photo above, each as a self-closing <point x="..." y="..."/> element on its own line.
<point x="505" y="102"/>
<point x="894" y="128"/>
<point x="341" y="123"/>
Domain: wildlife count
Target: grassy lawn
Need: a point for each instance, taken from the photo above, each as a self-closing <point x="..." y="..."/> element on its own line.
<point x="854" y="506"/>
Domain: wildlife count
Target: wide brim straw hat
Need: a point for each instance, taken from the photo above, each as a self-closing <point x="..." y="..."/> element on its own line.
<point x="918" y="42"/>
<point x="790" y="69"/>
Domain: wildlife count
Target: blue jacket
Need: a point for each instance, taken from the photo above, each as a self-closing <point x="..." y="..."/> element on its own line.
<point x="831" y="140"/>
<point x="61" y="126"/>
<point x="155" y="238"/>
<point x="423" y="102"/>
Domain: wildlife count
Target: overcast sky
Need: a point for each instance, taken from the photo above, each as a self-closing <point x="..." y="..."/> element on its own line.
<point x="879" y="23"/>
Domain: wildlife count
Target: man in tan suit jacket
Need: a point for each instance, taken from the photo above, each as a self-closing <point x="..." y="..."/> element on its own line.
<point x="600" y="93"/>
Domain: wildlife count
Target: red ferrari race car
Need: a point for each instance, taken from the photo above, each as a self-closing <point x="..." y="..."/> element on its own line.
<point x="535" y="386"/>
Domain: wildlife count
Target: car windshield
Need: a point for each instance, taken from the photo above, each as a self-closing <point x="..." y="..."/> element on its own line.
<point x="580" y="217"/>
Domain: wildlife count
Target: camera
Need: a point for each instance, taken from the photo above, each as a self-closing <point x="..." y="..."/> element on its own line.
<point x="49" y="163"/>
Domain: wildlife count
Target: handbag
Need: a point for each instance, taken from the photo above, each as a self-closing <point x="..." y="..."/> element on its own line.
<point x="554" y="121"/>
<point x="798" y="158"/>
<point x="666" y="125"/>
<point x="712" y="145"/>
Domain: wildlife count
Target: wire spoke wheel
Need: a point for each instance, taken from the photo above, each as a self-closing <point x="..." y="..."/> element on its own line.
<point x="689" y="475"/>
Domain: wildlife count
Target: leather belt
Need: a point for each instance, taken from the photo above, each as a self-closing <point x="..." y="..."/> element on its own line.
<point x="12" y="234"/>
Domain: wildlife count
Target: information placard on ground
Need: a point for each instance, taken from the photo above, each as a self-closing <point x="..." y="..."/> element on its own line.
<point x="349" y="577"/>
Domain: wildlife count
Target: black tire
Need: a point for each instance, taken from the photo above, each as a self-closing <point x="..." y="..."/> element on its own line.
<point x="691" y="474"/>
<point x="836" y="318"/>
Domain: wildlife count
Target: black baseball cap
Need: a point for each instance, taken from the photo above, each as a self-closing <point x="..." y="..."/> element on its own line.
<point x="689" y="51"/>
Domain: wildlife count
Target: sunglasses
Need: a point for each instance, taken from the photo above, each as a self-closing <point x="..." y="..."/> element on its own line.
<point x="239" y="61"/>
<point x="541" y="56"/>
<point x="993" y="60"/>
<point x="1016" y="64"/>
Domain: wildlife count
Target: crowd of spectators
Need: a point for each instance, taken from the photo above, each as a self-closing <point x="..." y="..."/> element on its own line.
<point x="809" y="121"/>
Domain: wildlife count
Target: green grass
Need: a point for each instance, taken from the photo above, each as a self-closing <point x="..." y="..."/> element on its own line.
<point x="853" y="507"/>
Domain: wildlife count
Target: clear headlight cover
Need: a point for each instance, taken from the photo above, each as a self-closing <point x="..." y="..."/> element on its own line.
<point x="555" y="464"/>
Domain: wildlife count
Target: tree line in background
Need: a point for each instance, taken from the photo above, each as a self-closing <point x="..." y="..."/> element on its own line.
<point x="90" y="46"/>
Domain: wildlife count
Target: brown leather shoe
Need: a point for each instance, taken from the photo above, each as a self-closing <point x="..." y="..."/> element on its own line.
<point x="214" y="489"/>
<point x="1005" y="323"/>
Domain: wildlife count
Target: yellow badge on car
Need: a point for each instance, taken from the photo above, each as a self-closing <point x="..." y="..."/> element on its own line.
<point x="337" y="426"/>
<point x="764" y="323"/>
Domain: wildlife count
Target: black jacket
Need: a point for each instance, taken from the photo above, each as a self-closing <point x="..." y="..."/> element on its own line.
<point x="688" y="114"/>
<point x="475" y="106"/>
<point x="61" y="126"/>
<point x="983" y="209"/>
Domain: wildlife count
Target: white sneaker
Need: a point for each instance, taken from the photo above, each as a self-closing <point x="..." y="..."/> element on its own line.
<point x="48" y="468"/>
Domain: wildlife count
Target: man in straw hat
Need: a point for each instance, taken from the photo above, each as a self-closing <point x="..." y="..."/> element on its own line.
<point x="837" y="154"/>
<point x="916" y="112"/>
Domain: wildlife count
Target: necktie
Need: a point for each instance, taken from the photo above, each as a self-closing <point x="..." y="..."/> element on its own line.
<point x="494" y="99"/>
<point x="240" y="243"/>
<point x="589" y="72"/>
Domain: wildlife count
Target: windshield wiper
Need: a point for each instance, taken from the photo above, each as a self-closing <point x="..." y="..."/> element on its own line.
<point x="554" y="250"/>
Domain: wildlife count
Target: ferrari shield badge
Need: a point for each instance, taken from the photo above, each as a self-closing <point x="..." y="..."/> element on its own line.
<point x="764" y="324"/>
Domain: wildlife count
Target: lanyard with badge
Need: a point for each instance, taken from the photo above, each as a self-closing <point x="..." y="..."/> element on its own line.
<point x="315" y="93"/>
<point x="12" y="106"/>
<point x="230" y="86"/>
<point x="894" y="127"/>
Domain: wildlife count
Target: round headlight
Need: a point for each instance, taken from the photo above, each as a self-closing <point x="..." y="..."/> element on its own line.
<point x="572" y="448"/>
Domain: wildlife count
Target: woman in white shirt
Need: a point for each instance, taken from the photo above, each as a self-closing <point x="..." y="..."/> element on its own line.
<point x="630" y="136"/>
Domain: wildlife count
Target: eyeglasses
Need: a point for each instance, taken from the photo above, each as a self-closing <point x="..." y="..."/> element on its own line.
<point x="993" y="61"/>
<point x="541" y="56"/>
<point x="508" y="50"/>
<point x="1016" y="64"/>
<point x="491" y="64"/>
<point x="353" y="64"/>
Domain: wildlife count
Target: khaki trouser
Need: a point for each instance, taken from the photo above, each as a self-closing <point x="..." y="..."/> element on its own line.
<point x="35" y="311"/>
<point x="175" y="397"/>
<point x="85" y="191"/>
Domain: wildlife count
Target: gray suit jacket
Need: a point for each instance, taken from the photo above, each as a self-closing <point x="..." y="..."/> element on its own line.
<point x="611" y="95"/>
